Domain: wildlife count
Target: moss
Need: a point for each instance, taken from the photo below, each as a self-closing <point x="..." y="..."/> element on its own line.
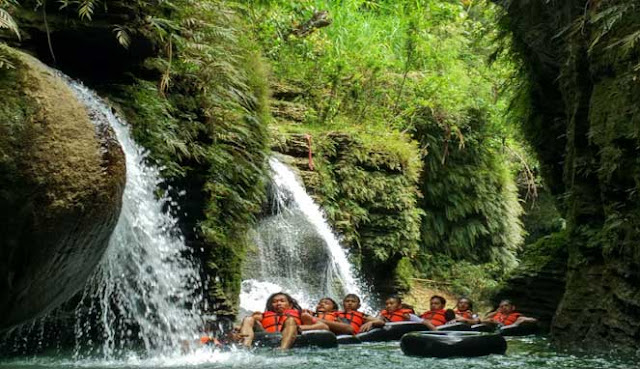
<point x="583" y="122"/>
<point x="545" y="250"/>
<point x="40" y="114"/>
<point x="61" y="185"/>
<point x="470" y="200"/>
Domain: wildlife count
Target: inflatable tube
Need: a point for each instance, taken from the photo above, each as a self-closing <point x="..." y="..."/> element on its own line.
<point x="454" y="326"/>
<point x="347" y="339"/>
<point x="316" y="338"/>
<point x="450" y="344"/>
<point x="391" y="331"/>
<point x="522" y="329"/>
<point x="483" y="328"/>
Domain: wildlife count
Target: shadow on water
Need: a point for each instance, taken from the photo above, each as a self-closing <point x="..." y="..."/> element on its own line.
<point x="523" y="353"/>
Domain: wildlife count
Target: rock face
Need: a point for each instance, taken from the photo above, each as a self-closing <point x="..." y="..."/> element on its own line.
<point x="537" y="285"/>
<point x="583" y="117"/>
<point x="61" y="184"/>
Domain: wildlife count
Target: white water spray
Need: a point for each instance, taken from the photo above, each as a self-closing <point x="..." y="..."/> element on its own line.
<point x="298" y="252"/>
<point x="144" y="287"/>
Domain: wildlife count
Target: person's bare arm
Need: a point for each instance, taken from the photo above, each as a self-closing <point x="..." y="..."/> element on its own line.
<point x="371" y="322"/>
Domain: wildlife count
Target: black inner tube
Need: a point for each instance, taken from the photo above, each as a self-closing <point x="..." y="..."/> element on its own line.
<point x="450" y="344"/>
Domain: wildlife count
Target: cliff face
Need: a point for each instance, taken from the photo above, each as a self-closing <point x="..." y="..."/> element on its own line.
<point x="537" y="285"/>
<point x="61" y="184"/>
<point x="582" y="58"/>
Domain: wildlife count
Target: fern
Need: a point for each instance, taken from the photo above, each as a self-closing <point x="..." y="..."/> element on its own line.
<point x="5" y="62"/>
<point x="122" y="35"/>
<point x="6" y="20"/>
<point x="86" y="9"/>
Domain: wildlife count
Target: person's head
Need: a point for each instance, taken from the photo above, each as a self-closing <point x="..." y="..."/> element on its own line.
<point x="437" y="302"/>
<point x="280" y="301"/>
<point x="208" y="326"/>
<point x="506" y="307"/>
<point x="326" y="305"/>
<point x="351" y="302"/>
<point x="393" y="303"/>
<point x="464" y="304"/>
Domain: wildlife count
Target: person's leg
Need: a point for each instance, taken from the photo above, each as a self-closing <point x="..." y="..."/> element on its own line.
<point x="246" y="331"/>
<point x="289" y="334"/>
<point x="309" y="323"/>
<point x="338" y="327"/>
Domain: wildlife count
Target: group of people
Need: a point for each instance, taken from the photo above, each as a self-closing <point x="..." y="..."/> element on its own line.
<point x="283" y="314"/>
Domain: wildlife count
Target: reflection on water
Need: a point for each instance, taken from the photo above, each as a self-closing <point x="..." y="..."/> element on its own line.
<point x="523" y="353"/>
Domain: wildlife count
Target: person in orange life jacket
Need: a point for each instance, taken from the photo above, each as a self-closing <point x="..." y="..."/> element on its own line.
<point x="464" y="312"/>
<point x="356" y="320"/>
<point x="207" y="337"/>
<point x="282" y="314"/>
<point x="327" y="313"/>
<point x="437" y="316"/>
<point x="396" y="311"/>
<point x="506" y="315"/>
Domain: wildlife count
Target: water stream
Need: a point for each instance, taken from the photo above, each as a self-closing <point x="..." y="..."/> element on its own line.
<point x="140" y="300"/>
<point x="297" y="250"/>
<point x="144" y="282"/>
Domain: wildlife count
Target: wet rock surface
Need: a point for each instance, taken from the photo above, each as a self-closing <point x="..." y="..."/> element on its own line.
<point x="61" y="184"/>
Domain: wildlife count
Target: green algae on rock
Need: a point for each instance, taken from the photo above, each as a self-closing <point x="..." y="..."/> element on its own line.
<point x="581" y="114"/>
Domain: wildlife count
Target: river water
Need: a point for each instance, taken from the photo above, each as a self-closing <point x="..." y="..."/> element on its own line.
<point x="523" y="353"/>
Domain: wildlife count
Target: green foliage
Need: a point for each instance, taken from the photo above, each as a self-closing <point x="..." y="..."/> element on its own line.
<point x="204" y="123"/>
<point x="376" y="71"/>
<point x="464" y="278"/>
<point x="470" y="200"/>
<point x="545" y="250"/>
<point x="6" y="20"/>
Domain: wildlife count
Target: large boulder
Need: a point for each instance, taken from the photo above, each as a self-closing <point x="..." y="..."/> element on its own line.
<point x="61" y="184"/>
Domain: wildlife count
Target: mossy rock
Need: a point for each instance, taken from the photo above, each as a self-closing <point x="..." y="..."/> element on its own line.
<point x="61" y="184"/>
<point x="537" y="285"/>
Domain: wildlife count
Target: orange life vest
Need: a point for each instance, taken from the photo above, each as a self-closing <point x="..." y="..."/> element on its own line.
<point x="354" y="318"/>
<point x="331" y="317"/>
<point x="273" y="322"/>
<point x="206" y="340"/>
<point x="436" y="317"/>
<point x="467" y="314"/>
<point x="396" y="316"/>
<point x="506" y="319"/>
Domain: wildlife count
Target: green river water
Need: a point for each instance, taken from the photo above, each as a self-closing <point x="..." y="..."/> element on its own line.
<point x="522" y="353"/>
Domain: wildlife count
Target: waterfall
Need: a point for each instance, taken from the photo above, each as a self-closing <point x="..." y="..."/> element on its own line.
<point x="297" y="251"/>
<point x="144" y="284"/>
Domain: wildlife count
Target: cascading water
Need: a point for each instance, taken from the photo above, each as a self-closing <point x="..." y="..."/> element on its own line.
<point x="142" y="287"/>
<point x="297" y="250"/>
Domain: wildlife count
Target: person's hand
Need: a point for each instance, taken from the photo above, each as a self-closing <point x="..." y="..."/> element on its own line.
<point x="460" y="319"/>
<point x="366" y="327"/>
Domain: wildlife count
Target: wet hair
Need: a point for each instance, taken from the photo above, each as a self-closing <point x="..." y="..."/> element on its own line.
<point x="335" y="304"/>
<point x="449" y="315"/>
<point x="468" y="300"/>
<point x="292" y="301"/>
<point x="352" y="295"/>
<point x="395" y="297"/>
<point x="443" y="301"/>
